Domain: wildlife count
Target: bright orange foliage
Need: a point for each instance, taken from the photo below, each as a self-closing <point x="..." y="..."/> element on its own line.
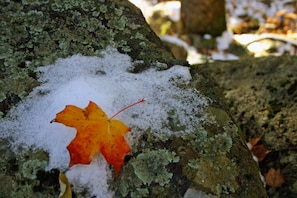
<point x="95" y="132"/>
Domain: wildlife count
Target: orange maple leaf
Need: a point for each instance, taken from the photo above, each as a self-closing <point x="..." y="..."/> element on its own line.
<point x="95" y="132"/>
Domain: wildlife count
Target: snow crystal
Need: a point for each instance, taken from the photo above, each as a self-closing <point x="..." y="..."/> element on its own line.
<point x="106" y="81"/>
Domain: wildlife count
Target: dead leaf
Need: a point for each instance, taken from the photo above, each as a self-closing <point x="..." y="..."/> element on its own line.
<point x="95" y="132"/>
<point x="274" y="178"/>
<point x="255" y="140"/>
<point x="260" y="152"/>
<point x="64" y="186"/>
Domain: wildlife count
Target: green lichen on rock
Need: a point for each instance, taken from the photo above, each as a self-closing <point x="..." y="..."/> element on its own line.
<point x="213" y="158"/>
<point x="36" y="33"/>
<point x="205" y="155"/>
<point x="23" y="173"/>
<point x="148" y="173"/>
<point x="263" y="102"/>
<point x="31" y="167"/>
<point x="217" y="149"/>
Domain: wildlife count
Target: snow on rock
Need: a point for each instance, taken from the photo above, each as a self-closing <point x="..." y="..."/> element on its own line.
<point x="255" y="8"/>
<point x="106" y="81"/>
<point x="192" y="193"/>
<point x="223" y="56"/>
<point x="223" y="43"/>
<point x="224" y="40"/>
<point x="193" y="56"/>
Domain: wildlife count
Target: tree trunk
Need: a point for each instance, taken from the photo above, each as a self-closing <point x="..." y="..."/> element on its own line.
<point x="203" y="17"/>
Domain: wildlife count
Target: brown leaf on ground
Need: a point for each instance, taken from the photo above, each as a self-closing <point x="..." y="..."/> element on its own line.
<point x="274" y="178"/>
<point x="260" y="151"/>
<point x="64" y="186"/>
<point x="254" y="141"/>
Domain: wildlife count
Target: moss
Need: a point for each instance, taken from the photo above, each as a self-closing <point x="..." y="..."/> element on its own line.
<point x="203" y="157"/>
<point x="31" y="167"/>
<point x="148" y="173"/>
<point x="205" y="154"/>
<point x="36" y="33"/>
<point x="140" y="192"/>
<point x="219" y="176"/>
<point x="150" y="166"/>
<point x="23" y="173"/>
<point x="262" y="104"/>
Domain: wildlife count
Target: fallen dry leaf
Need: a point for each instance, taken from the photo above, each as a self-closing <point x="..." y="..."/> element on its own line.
<point x="95" y="132"/>
<point x="260" y="152"/>
<point x="274" y="178"/>
<point x="64" y="186"/>
<point x="254" y="141"/>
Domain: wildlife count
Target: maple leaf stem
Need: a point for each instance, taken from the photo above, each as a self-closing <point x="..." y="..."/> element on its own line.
<point x="127" y="107"/>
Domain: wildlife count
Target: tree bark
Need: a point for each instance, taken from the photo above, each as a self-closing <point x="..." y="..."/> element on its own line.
<point x="203" y="17"/>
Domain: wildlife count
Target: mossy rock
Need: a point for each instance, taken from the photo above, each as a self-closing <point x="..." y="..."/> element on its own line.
<point x="212" y="159"/>
<point x="62" y="29"/>
<point x="261" y="93"/>
<point x="23" y="173"/>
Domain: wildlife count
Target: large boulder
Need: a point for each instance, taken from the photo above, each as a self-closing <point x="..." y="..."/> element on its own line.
<point x="262" y="96"/>
<point x="35" y="33"/>
<point x="184" y="142"/>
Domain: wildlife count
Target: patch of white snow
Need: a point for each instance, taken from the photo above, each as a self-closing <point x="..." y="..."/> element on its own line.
<point x="224" y="40"/>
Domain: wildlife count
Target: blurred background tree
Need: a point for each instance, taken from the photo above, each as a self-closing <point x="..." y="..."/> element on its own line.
<point x="203" y="17"/>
